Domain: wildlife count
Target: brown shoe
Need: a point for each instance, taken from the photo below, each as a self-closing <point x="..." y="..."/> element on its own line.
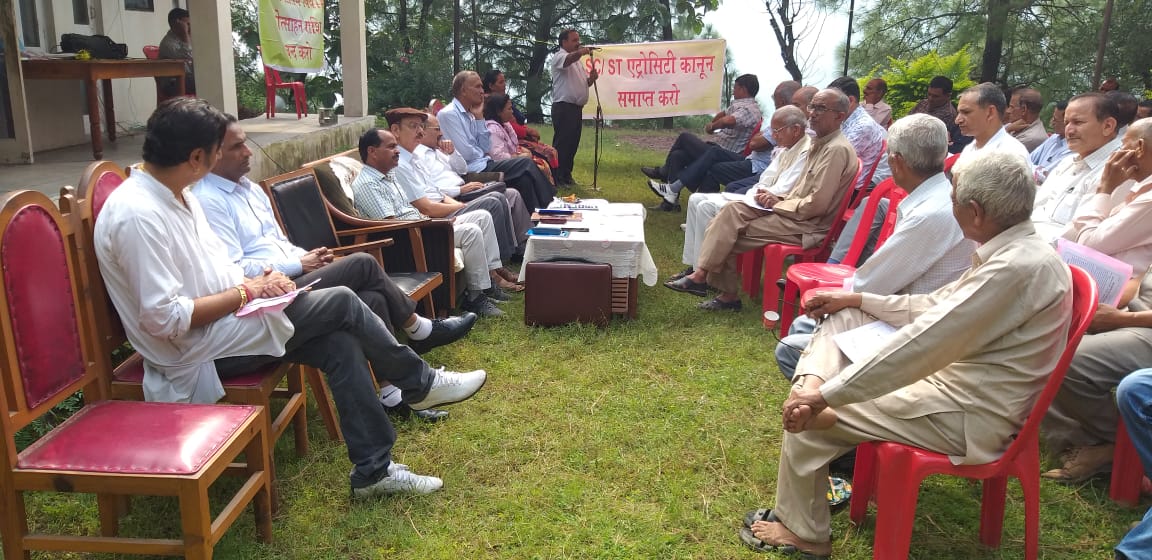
<point x="1082" y="463"/>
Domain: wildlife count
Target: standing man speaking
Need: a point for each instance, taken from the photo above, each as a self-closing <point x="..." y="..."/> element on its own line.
<point x="570" y="83"/>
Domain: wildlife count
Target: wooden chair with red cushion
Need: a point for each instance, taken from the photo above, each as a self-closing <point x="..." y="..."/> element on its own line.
<point x="112" y="449"/>
<point x="905" y="466"/>
<point x="259" y="387"/>
<point x="273" y="82"/>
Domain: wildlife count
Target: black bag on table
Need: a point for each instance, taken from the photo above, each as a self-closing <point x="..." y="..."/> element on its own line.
<point x="99" y="46"/>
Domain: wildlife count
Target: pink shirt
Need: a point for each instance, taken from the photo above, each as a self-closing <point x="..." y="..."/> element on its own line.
<point x="503" y="138"/>
<point x="1122" y="230"/>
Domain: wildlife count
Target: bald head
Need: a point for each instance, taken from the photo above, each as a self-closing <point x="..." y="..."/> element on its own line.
<point x="783" y="93"/>
<point x="803" y="97"/>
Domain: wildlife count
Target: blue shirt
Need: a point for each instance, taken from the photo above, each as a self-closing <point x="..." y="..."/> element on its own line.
<point x="760" y="160"/>
<point x="241" y="216"/>
<point x="468" y="134"/>
<point x="1047" y="155"/>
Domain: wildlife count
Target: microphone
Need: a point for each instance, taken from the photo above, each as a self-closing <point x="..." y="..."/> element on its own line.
<point x="593" y="48"/>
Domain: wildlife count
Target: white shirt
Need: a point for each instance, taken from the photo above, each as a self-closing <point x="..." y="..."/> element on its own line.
<point x="569" y="83"/>
<point x="999" y="142"/>
<point x="782" y="174"/>
<point x="411" y="173"/>
<point x="441" y="169"/>
<point x="926" y="249"/>
<point x="1059" y="197"/>
<point x="241" y="216"/>
<point x="157" y="256"/>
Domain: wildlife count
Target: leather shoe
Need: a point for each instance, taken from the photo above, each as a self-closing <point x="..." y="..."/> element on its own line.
<point x="652" y="173"/>
<point x="666" y="206"/>
<point x="445" y="331"/>
<point x="402" y="412"/>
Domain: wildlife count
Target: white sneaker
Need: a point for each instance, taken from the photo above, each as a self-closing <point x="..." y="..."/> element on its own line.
<point x="451" y="387"/>
<point x="399" y="481"/>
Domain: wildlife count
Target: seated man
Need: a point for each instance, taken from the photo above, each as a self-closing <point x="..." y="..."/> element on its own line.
<point x="177" y="45"/>
<point x="167" y="272"/>
<point x="1091" y="128"/>
<point x="1144" y="109"/>
<point x="241" y="216"/>
<point x="407" y="125"/>
<point x="874" y="92"/>
<point x="788" y="130"/>
<point x="731" y="130"/>
<point x="1126" y="106"/>
<point x="926" y="248"/>
<point x="1081" y="423"/>
<point x="1134" y="399"/>
<point x="866" y="137"/>
<point x="718" y="166"/>
<point x="378" y="195"/>
<point x="938" y="103"/>
<point x="1053" y="151"/>
<point x="980" y="115"/>
<point x="927" y="384"/>
<point x="462" y="122"/>
<point x="1023" y="118"/>
<point x="438" y="157"/>
<point x="803" y="217"/>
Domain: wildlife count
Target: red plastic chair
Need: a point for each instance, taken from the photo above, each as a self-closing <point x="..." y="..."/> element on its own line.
<point x="865" y="189"/>
<point x="906" y="466"/>
<point x="773" y="255"/>
<point x="1127" y="472"/>
<point x="950" y="161"/>
<point x="802" y="277"/>
<point x="748" y="145"/>
<point x="151" y="52"/>
<point x="112" y="449"/>
<point x="273" y="82"/>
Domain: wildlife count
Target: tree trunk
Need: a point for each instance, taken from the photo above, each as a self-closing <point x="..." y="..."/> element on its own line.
<point x="402" y="23"/>
<point x="781" y="18"/>
<point x="994" y="39"/>
<point x="541" y="47"/>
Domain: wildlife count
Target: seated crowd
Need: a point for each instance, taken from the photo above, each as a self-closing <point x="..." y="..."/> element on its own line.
<point x="958" y="240"/>
<point x="184" y="260"/>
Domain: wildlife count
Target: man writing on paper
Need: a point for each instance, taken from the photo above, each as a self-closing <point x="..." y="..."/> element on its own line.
<point x="927" y="384"/>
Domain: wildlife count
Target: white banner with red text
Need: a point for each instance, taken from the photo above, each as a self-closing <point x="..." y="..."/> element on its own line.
<point x="650" y="80"/>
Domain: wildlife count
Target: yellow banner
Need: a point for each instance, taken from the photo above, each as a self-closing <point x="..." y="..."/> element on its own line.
<point x="648" y="80"/>
<point x="292" y="35"/>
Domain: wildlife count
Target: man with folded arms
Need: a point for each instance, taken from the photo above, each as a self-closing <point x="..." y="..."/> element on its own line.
<point x="378" y="195"/>
<point x="802" y="217"/>
<point x="462" y="122"/>
<point x="241" y="216"/>
<point x="926" y="249"/>
<point x="172" y="277"/>
<point x="1053" y="151"/>
<point x="927" y="385"/>
<point x="444" y="167"/>
<point x="1023" y="116"/>
<point x="788" y="129"/>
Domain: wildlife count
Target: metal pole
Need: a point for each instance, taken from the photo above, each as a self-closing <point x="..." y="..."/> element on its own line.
<point x="848" y="42"/>
<point x="456" y="37"/>
<point x="1098" y="69"/>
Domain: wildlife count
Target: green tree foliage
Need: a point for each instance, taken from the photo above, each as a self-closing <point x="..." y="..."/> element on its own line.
<point x="908" y="79"/>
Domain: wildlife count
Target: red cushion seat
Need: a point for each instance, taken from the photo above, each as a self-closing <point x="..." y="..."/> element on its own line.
<point x="137" y="438"/>
<point x="132" y="371"/>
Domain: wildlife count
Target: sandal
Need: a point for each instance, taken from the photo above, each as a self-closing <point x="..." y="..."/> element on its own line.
<point x="749" y="538"/>
<point x="686" y="285"/>
<point x="686" y="272"/>
<point x="509" y="286"/>
<point x="717" y="304"/>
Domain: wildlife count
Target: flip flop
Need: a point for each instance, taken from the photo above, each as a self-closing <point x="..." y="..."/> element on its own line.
<point x="687" y="286"/>
<point x="686" y="272"/>
<point x="717" y="304"/>
<point x="510" y="286"/>
<point x="762" y="514"/>
<point x="749" y="539"/>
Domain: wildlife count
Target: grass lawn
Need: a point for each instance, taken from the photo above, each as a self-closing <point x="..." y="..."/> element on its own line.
<point x="648" y="439"/>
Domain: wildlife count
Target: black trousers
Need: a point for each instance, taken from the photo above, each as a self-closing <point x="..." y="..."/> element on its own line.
<point x="567" y="124"/>
<point x="521" y="173"/>
<point x="686" y="149"/>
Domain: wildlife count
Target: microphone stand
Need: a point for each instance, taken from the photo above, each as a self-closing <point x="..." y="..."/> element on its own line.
<point x="598" y="123"/>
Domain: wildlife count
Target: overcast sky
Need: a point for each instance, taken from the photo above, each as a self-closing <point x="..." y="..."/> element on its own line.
<point x="745" y="25"/>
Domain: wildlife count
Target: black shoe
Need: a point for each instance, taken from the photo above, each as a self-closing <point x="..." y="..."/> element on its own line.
<point x="402" y="412"/>
<point x="653" y="173"/>
<point x="445" y="331"/>
<point x="687" y="286"/>
<point x="666" y="206"/>
<point x="495" y="293"/>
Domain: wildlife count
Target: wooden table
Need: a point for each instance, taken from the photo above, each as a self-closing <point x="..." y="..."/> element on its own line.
<point x="89" y="71"/>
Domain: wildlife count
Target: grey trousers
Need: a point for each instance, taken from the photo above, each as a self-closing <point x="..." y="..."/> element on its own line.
<point x="363" y="275"/>
<point x="339" y="335"/>
<point x="844" y="242"/>
<point x="1084" y="411"/>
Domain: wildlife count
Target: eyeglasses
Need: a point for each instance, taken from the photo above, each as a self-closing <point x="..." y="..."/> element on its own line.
<point x="817" y="109"/>
<point x="777" y="130"/>
<point x="413" y="125"/>
<point x="431" y="128"/>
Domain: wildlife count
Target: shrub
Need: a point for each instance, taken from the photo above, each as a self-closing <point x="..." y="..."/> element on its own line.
<point x="908" y="79"/>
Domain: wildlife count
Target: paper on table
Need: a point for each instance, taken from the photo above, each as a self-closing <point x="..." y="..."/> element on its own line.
<point x="861" y="343"/>
<point x="262" y="305"/>
<point x="1110" y="274"/>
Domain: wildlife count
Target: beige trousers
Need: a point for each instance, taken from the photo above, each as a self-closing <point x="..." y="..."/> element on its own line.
<point x="735" y="229"/>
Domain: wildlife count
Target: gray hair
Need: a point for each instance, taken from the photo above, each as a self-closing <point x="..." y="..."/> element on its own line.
<point x="784" y="91"/>
<point x="840" y="101"/>
<point x="1142" y="128"/>
<point x="790" y="116"/>
<point x="459" y="80"/>
<point x="922" y="141"/>
<point x="1001" y="183"/>
<point x="988" y="93"/>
